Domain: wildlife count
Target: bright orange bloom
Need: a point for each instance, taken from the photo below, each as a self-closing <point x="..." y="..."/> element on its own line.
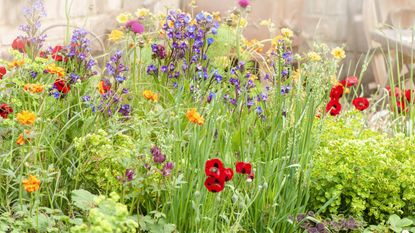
<point x="103" y="87"/>
<point x="16" y="63"/>
<point x="151" y="95"/>
<point x="34" y="88"/>
<point x="53" y="69"/>
<point x="195" y="117"/>
<point x="26" y="118"/>
<point x="32" y="184"/>
<point x="21" y="140"/>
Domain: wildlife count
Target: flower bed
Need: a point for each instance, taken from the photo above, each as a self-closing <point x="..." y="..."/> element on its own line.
<point x="186" y="126"/>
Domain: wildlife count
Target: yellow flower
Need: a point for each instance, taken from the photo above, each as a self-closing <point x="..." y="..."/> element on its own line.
<point x="16" y="63"/>
<point x="313" y="56"/>
<point x="123" y="18"/>
<point x="170" y="23"/>
<point x="115" y="35"/>
<point x="32" y="184"/>
<point x="21" y="140"/>
<point x="216" y="16"/>
<point x="53" y="69"/>
<point x="142" y="12"/>
<point x="338" y="53"/>
<point x="26" y="118"/>
<point x="296" y="75"/>
<point x="151" y="95"/>
<point x="254" y="44"/>
<point x="33" y="88"/>
<point x="195" y="117"/>
<point x="265" y="22"/>
<point x="287" y="33"/>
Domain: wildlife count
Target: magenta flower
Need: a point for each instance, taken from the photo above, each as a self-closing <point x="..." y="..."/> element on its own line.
<point x="243" y="3"/>
<point x="135" y="26"/>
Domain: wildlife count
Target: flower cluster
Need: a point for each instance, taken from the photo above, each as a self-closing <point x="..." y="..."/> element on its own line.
<point x="149" y="95"/>
<point x="334" y="106"/>
<point x="217" y="174"/>
<point x="32" y="184"/>
<point x="32" y="40"/>
<point x="338" y="224"/>
<point x="403" y="98"/>
<point x="195" y="117"/>
<point x="112" y="92"/>
<point x="5" y="110"/>
<point x="160" y="158"/>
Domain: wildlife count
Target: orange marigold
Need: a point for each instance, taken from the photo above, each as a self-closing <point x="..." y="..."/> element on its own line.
<point x="32" y="184"/>
<point x="26" y="118"/>
<point x="53" y="69"/>
<point x="195" y="117"/>
<point x="21" y="140"/>
<point x="151" y="95"/>
<point x="34" y="88"/>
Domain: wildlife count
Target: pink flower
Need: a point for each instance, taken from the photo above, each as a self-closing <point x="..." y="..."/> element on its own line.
<point x="243" y="3"/>
<point x="135" y="26"/>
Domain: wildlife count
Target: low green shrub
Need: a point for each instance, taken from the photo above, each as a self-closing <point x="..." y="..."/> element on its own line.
<point x="363" y="173"/>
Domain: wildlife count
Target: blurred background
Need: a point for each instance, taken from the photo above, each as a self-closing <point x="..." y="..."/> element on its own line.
<point x="361" y="26"/>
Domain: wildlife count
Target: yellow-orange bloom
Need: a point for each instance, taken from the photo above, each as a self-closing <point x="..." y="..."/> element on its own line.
<point x="195" y="117"/>
<point x="26" y="118"/>
<point x="151" y="95"/>
<point x="16" y="63"/>
<point x="34" y="88"/>
<point x="32" y="184"/>
<point x="53" y="69"/>
<point x="21" y="140"/>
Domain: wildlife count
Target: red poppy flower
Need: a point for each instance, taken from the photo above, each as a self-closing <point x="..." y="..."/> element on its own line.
<point x="57" y="53"/>
<point x="401" y="106"/>
<point x="214" y="185"/>
<point x="334" y="107"/>
<point x="43" y="54"/>
<point x="349" y="81"/>
<point x="214" y="167"/>
<point x="228" y="174"/>
<point x="336" y="92"/>
<point x="361" y="103"/>
<point x="5" y="110"/>
<point x="398" y="92"/>
<point x="62" y="86"/>
<point x="408" y="94"/>
<point x="3" y="71"/>
<point x="19" y="44"/>
<point x="243" y="168"/>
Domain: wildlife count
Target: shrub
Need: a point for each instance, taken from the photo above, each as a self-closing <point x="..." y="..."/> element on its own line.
<point x="360" y="172"/>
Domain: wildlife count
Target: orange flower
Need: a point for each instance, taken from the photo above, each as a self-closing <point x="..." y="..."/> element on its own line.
<point x="26" y="118"/>
<point x="195" y="117"/>
<point x="103" y="87"/>
<point x="32" y="184"/>
<point x="53" y="69"/>
<point x="33" y="88"/>
<point x="21" y="140"/>
<point x="151" y="95"/>
<point x="16" y="63"/>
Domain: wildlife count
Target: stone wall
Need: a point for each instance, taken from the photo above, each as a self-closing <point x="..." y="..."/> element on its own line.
<point x="97" y="16"/>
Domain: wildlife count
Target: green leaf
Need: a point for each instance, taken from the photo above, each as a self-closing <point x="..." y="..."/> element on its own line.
<point x="83" y="199"/>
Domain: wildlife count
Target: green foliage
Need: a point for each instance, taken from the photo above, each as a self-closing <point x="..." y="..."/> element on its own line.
<point x="361" y="172"/>
<point x="108" y="215"/>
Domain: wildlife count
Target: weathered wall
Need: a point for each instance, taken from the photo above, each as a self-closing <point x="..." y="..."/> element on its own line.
<point x="95" y="15"/>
